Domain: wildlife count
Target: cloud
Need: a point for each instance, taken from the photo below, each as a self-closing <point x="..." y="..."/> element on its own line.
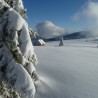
<point x="88" y="10"/>
<point x="47" y="29"/>
<point x="76" y="17"/>
<point x="89" y="13"/>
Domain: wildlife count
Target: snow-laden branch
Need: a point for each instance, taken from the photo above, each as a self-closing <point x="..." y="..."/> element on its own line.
<point x="17" y="56"/>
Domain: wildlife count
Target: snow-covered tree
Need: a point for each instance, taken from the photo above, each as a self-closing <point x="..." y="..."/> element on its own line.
<point x="61" y="41"/>
<point x="17" y="56"/>
<point x="18" y="6"/>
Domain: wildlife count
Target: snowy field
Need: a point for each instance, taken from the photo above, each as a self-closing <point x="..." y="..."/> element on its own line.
<point x="70" y="71"/>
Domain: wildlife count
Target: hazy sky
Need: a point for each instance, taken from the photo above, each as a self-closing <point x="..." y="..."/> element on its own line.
<point x="60" y="12"/>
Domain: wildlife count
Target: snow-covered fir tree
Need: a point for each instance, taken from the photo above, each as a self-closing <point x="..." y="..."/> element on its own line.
<point x="17" y="56"/>
<point x="61" y="41"/>
<point x="18" y="6"/>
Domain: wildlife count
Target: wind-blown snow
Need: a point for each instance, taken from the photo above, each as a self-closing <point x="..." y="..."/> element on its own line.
<point x="70" y="71"/>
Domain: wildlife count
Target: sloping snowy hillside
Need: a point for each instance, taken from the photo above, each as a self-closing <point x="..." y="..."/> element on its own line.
<point x="70" y="71"/>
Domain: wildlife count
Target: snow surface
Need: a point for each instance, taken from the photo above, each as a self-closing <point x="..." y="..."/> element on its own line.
<point x="70" y="71"/>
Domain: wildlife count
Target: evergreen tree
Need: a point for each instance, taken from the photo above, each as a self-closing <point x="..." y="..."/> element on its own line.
<point x="17" y="56"/>
<point x="61" y="41"/>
